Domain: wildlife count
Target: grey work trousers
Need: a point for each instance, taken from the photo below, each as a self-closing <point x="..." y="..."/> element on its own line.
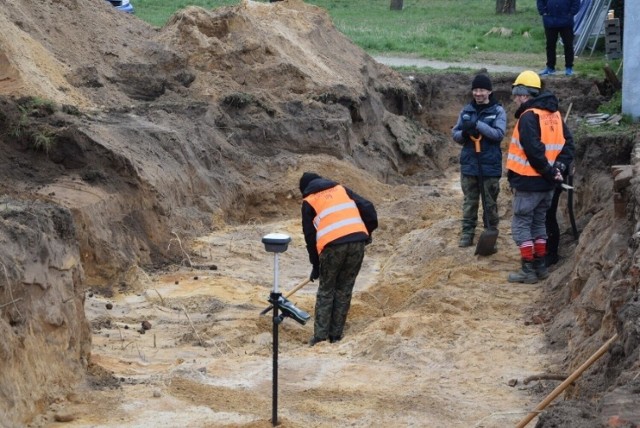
<point x="529" y="215"/>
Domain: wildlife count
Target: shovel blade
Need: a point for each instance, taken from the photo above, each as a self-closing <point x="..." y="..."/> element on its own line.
<point x="487" y="242"/>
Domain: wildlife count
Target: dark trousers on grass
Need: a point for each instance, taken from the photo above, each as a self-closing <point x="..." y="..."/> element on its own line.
<point x="566" y="34"/>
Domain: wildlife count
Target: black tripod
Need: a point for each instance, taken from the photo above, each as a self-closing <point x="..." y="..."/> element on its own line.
<point x="277" y="243"/>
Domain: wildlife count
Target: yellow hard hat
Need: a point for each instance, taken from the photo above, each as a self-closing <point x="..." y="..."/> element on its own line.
<point x="528" y="78"/>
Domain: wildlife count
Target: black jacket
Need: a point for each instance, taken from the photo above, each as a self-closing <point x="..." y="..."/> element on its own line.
<point x="529" y="127"/>
<point x="365" y="207"/>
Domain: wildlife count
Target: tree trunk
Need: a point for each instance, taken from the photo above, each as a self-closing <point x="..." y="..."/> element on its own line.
<point x="506" y="6"/>
<point x="396" y="4"/>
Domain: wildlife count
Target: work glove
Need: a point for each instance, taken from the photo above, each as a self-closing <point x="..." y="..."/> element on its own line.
<point x="469" y="129"/>
<point x="467" y="125"/>
<point x="562" y="167"/>
<point x="368" y="241"/>
<point x="315" y="273"/>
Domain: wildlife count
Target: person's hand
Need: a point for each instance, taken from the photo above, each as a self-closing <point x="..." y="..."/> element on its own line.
<point x="368" y="241"/>
<point x="559" y="165"/>
<point x="557" y="175"/>
<point x="554" y="175"/>
<point x="474" y="133"/>
<point x="315" y="273"/>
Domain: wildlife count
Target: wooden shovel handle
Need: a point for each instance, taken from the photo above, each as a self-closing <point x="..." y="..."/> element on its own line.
<point x="289" y="293"/>
<point x="297" y="287"/>
<point x="476" y="141"/>
<point x="566" y="382"/>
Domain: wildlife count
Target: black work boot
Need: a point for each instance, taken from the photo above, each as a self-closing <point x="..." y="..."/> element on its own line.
<point x="540" y="266"/>
<point x="466" y="241"/>
<point x="552" y="259"/>
<point x="315" y="340"/>
<point x="526" y="275"/>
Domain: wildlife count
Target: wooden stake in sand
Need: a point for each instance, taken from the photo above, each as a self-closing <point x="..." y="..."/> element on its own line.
<point x="193" y="326"/>
<point x="566" y="383"/>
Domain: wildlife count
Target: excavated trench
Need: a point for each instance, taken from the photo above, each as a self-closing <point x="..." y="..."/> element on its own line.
<point x="416" y="306"/>
<point x="134" y="204"/>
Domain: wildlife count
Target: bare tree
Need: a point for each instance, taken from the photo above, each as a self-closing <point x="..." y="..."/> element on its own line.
<point x="396" y="4"/>
<point x="506" y="6"/>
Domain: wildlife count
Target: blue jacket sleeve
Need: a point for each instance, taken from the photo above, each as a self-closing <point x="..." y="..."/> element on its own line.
<point x="542" y="7"/>
<point x="497" y="131"/>
<point x="456" y="132"/>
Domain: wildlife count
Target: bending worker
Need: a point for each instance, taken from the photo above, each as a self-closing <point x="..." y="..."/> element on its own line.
<point x="540" y="140"/>
<point x="337" y="224"/>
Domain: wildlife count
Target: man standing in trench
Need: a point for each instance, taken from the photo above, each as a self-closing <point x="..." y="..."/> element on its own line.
<point x="483" y="117"/>
<point x="535" y="164"/>
<point x="337" y="224"/>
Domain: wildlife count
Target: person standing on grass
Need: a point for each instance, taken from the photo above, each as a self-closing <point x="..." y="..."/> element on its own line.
<point x="337" y="224"/>
<point x="557" y="18"/>
<point x="540" y="138"/>
<point x="482" y="117"/>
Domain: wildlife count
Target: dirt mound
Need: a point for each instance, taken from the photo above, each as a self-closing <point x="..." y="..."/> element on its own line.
<point x="151" y="137"/>
<point x="162" y="114"/>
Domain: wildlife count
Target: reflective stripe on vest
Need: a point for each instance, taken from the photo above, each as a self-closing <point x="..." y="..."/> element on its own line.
<point x="551" y="136"/>
<point x="337" y="215"/>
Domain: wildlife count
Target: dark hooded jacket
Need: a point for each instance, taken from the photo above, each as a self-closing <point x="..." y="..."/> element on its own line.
<point x="313" y="183"/>
<point x="558" y="13"/>
<point x="529" y="127"/>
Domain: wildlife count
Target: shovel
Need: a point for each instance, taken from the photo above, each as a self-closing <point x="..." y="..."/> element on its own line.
<point x="289" y="293"/>
<point x="487" y="242"/>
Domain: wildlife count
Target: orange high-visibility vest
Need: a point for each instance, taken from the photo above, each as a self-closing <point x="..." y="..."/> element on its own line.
<point x="551" y="136"/>
<point x="336" y="215"/>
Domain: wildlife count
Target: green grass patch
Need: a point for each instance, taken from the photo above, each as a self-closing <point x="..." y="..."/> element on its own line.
<point x="613" y="106"/>
<point x="446" y="30"/>
<point x="39" y="138"/>
<point x="42" y="140"/>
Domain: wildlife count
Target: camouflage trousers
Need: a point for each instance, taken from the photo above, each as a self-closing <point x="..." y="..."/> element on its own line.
<point x="339" y="267"/>
<point x="471" y="191"/>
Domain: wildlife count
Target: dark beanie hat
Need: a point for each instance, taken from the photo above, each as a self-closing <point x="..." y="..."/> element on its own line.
<point x="306" y="178"/>
<point x="481" y="81"/>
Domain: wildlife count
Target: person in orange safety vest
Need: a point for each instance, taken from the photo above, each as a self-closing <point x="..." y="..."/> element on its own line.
<point x="337" y="224"/>
<point x="541" y="148"/>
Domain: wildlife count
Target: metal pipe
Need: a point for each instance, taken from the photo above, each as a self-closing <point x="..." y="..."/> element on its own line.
<point x="274" y="393"/>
